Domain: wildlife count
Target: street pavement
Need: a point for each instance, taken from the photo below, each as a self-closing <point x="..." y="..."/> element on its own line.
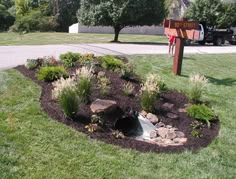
<point x="11" y="56"/>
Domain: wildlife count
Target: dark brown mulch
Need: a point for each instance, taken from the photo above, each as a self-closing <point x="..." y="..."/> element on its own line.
<point x="125" y="103"/>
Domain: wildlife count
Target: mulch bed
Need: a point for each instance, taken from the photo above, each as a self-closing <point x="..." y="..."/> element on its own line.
<point x="51" y="107"/>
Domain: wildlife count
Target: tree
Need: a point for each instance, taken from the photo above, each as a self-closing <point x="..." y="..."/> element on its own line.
<point x="121" y="13"/>
<point x="65" y="11"/>
<point x="22" y="7"/>
<point x="205" y="10"/>
<point x="7" y="3"/>
<point x="228" y="16"/>
<point x="6" y="19"/>
<point x="214" y="12"/>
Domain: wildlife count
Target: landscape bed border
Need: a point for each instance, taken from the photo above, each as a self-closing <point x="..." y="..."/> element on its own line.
<point x="56" y="113"/>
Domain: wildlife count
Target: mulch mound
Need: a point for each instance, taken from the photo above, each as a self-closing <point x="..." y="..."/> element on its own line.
<point x="183" y="123"/>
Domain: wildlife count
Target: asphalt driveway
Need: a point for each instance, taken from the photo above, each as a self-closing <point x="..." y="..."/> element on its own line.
<point x="11" y="56"/>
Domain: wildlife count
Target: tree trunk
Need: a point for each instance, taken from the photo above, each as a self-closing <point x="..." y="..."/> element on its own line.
<point x="117" y="31"/>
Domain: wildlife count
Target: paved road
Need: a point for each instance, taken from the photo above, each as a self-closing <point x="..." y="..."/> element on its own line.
<point x="11" y="56"/>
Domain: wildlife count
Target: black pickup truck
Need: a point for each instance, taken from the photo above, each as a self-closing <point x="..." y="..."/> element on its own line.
<point x="215" y="36"/>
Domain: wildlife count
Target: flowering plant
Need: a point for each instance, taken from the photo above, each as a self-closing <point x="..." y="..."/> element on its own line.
<point x="38" y="62"/>
<point x="48" y="61"/>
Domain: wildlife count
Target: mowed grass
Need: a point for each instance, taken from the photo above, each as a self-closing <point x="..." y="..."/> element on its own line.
<point x="66" y="38"/>
<point x="32" y="145"/>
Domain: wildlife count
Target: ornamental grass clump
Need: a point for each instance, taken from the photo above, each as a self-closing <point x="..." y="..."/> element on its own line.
<point x="197" y="85"/>
<point x="150" y="92"/>
<point x="61" y="84"/>
<point x="104" y="85"/>
<point x="69" y="102"/>
<point x="128" y="89"/>
<point x="84" y="77"/>
<point x="65" y="92"/>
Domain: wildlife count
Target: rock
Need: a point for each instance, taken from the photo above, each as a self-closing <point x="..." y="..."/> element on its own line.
<point x="160" y="124"/>
<point x="172" y="116"/>
<point x="150" y="141"/>
<point x="143" y="113"/>
<point x="168" y="126"/>
<point x="182" y="110"/>
<point x="101" y="74"/>
<point x="158" y="139"/>
<point x="167" y="141"/>
<point x="179" y="134"/>
<point x="100" y="105"/>
<point x="152" y="118"/>
<point x="187" y="105"/>
<point x="174" y="144"/>
<point x="167" y="106"/>
<point x="171" y="134"/>
<point x="180" y="140"/>
<point x="162" y="132"/>
<point x="153" y="134"/>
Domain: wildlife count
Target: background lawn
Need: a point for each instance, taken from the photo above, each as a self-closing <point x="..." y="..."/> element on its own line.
<point x="66" y="38"/>
<point x="34" y="146"/>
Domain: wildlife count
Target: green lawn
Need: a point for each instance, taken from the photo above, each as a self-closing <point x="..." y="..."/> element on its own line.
<point x="34" y="146"/>
<point x="66" y="38"/>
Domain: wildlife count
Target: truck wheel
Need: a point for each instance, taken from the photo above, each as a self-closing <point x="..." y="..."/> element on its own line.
<point x="218" y="41"/>
<point x="223" y="41"/>
<point x="187" y="42"/>
<point x="232" y="42"/>
<point x="202" y="42"/>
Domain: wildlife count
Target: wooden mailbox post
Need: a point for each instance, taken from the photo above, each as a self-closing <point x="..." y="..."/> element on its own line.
<point x="182" y="30"/>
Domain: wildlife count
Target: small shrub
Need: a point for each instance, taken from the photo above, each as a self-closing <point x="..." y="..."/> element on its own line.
<point x="111" y="63"/>
<point x="201" y="113"/>
<point x="51" y="73"/>
<point x="61" y="84"/>
<point x="69" y="59"/>
<point x="197" y="85"/>
<point x="84" y="77"/>
<point x="93" y="127"/>
<point x="126" y="71"/>
<point x="69" y="102"/>
<point x="31" y="64"/>
<point x="150" y="91"/>
<point x="196" y="125"/>
<point x="128" y="89"/>
<point x="87" y="58"/>
<point x="96" y="119"/>
<point x="196" y="134"/>
<point x="117" y="134"/>
<point x="104" y="85"/>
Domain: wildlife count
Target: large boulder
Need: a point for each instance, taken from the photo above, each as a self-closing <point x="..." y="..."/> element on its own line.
<point x="108" y="110"/>
<point x="103" y="106"/>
